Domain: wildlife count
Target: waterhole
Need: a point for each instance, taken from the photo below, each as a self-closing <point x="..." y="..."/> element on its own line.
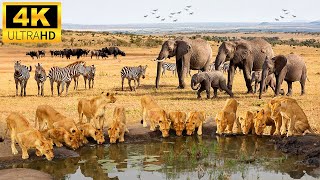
<point x="193" y="157"/>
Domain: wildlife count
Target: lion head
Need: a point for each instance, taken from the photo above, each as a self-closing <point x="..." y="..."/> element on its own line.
<point x="178" y="120"/>
<point x="221" y="122"/>
<point x="194" y="118"/>
<point x="260" y="121"/>
<point x="114" y="132"/>
<point x="99" y="136"/>
<point x="247" y="122"/>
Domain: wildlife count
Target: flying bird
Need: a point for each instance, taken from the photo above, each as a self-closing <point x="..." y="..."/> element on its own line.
<point x="284" y="10"/>
<point x="163" y="19"/>
<point x="158" y="17"/>
<point x="276" y="19"/>
<point x="188" y="6"/>
<point x="287" y="13"/>
<point x="170" y="16"/>
<point x="179" y="12"/>
<point x="153" y="13"/>
<point x="186" y="9"/>
<point x="145" y="16"/>
<point x="294" y="16"/>
<point x="175" y="20"/>
<point x="155" y="10"/>
<point x="172" y="13"/>
<point x="282" y="17"/>
<point x="191" y="13"/>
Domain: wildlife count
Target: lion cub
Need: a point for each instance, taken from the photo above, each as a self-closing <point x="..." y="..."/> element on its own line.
<point x="60" y="135"/>
<point x="95" y="108"/>
<point x="27" y="137"/>
<point x="226" y="118"/>
<point x="156" y="116"/>
<point x="118" y="126"/>
<point x="195" y="120"/>
<point x="89" y="131"/>
<point x="294" y="120"/>
<point x="178" y="121"/>
<point x="247" y="123"/>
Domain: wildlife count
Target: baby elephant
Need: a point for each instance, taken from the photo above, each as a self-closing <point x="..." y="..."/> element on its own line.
<point x="206" y="80"/>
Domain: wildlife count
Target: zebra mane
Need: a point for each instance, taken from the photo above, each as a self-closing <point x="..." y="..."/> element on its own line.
<point x="74" y="63"/>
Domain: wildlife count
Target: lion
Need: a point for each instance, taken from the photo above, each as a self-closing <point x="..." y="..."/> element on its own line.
<point x="47" y="115"/>
<point x="226" y="118"/>
<point x="178" y="121"/>
<point x="247" y="123"/>
<point x="195" y="120"/>
<point x="156" y="116"/>
<point x="60" y="135"/>
<point x="27" y="137"/>
<point x="294" y="120"/>
<point x="263" y="119"/>
<point x="119" y="125"/>
<point x="95" y="108"/>
<point x="70" y="126"/>
<point x="89" y="131"/>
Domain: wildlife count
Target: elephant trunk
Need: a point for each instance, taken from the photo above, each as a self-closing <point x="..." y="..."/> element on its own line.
<point x="220" y="59"/>
<point x="194" y="87"/>
<point x="263" y="82"/>
<point x="159" y="65"/>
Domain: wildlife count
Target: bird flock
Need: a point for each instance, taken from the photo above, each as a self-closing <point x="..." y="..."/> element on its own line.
<point x="172" y="16"/>
<point x="285" y="14"/>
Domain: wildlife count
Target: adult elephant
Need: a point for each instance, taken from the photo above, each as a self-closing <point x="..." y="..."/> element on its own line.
<point x="194" y="54"/>
<point x="246" y="55"/>
<point x="290" y="68"/>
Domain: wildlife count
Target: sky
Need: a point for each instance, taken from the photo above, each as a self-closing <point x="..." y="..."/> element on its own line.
<point x="132" y="11"/>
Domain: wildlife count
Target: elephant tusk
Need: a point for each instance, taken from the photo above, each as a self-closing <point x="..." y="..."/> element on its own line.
<point x="160" y="60"/>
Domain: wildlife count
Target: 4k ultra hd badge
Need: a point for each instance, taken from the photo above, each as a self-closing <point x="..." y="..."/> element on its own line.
<point x="31" y="22"/>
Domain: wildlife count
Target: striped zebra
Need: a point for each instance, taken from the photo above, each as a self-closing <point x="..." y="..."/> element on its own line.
<point x="76" y="69"/>
<point x="89" y="74"/>
<point x="21" y="75"/>
<point x="133" y="73"/>
<point x="40" y="76"/>
<point x="169" y="67"/>
<point x="64" y="75"/>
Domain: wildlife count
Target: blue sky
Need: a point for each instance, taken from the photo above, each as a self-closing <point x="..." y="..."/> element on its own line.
<point x="132" y="11"/>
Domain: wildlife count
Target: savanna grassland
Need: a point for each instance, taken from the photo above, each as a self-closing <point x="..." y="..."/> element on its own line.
<point x="141" y="50"/>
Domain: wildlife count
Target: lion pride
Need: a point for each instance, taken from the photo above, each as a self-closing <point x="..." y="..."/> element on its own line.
<point x="27" y="137"/>
<point x="226" y="118"/>
<point x="119" y="125"/>
<point x="195" y="120"/>
<point x="155" y="115"/>
<point x="178" y="121"/>
<point x="95" y="108"/>
<point x="294" y="120"/>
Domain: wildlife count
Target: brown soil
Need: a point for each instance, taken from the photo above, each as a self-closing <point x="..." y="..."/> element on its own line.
<point x="307" y="146"/>
<point x="23" y="173"/>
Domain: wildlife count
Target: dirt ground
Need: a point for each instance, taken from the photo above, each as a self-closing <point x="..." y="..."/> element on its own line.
<point x="23" y="173"/>
<point x="168" y="96"/>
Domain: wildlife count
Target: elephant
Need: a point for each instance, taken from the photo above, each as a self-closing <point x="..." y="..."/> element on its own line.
<point x="206" y="80"/>
<point x="290" y="68"/>
<point x="194" y="54"/>
<point x="269" y="81"/>
<point x="244" y="54"/>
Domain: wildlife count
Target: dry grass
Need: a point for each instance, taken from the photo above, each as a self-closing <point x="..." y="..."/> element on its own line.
<point x="108" y="79"/>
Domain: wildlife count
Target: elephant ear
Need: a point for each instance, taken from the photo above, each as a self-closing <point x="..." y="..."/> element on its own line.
<point x="279" y="63"/>
<point x="182" y="47"/>
<point x="244" y="49"/>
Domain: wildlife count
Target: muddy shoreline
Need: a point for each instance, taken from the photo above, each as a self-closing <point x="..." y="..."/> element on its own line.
<point x="307" y="146"/>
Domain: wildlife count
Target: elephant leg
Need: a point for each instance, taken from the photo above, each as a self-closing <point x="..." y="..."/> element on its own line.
<point x="289" y="88"/>
<point x="202" y="88"/>
<point x="224" y="87"/>
<point x="278" y="84"/>
<point x="180" y="71"/>
<point x="215" y="92"/>
<point x="230" y="76"/>
<point x="247" y="78"/>
<point x="185" y="69"/>
<point x="208" y="87"/>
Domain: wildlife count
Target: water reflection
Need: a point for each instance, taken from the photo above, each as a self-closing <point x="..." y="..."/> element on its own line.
<point x="193" y="157"/>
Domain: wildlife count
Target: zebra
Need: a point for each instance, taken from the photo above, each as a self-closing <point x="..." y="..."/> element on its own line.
<point x="21" y="75"/>
<point x="40" y="76"/>
<point x="89" y="74"/>
<point x="133" y="73"/>
<point x="64" y="75"/>
<point x="76" y="69"/>
<point x="170" y="67"/>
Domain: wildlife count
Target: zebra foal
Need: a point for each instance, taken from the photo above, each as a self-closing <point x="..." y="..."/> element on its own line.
<point x="40" y="76"/>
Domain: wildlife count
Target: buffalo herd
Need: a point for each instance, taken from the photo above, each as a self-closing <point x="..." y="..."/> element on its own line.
<point x="104" y="53"/>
